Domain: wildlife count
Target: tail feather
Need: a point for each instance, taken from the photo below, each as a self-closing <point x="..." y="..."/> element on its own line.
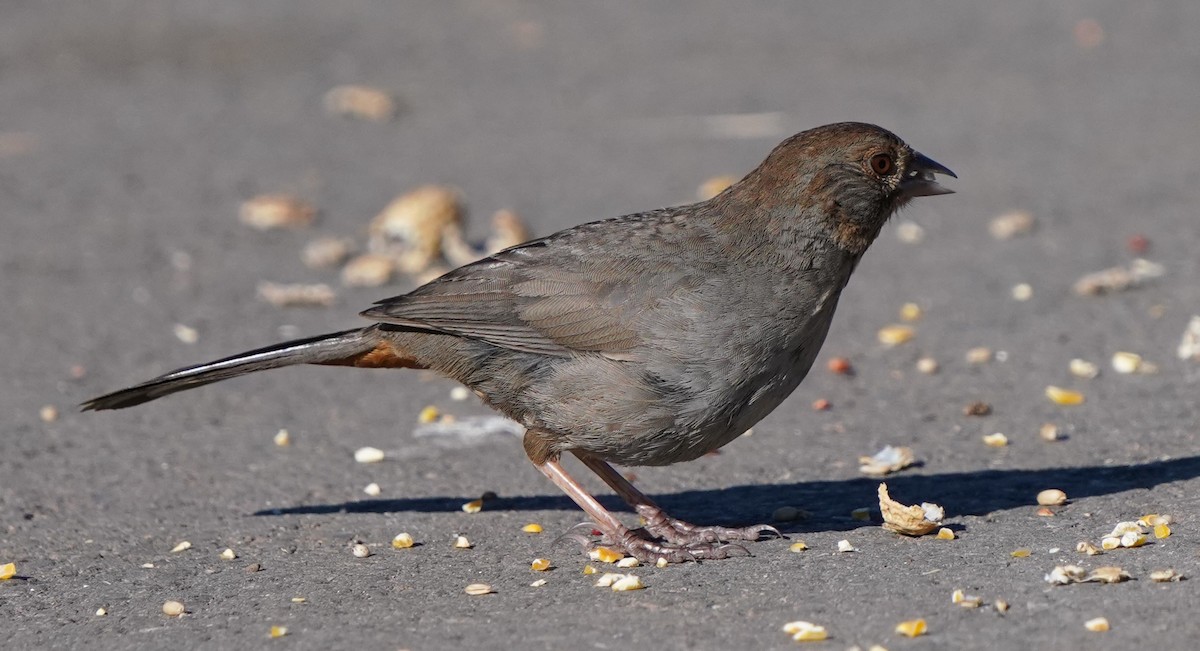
<point x="339" y="348"/>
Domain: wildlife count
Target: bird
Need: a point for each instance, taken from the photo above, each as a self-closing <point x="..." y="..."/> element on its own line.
<point x="641" y="340"/>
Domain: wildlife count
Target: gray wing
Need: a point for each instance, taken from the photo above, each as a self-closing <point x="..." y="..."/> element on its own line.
<point x="553" y="296"/>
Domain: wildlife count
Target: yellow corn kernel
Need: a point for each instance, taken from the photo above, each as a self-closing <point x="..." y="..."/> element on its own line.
<point x="605" y="555"/>
<point x="474" y="506"/>
<point x="532" y="527"/>
<point x="945" y="533"/>
<point x="798" y="546"/>
<point x="540" y="564"/>
<point x="912" y="627"/>
<point x="589" y="570"/>
<point x="8" y="571"/>
<point x="894" y="335"/>
<point x="278" y="631"/>
<point x="403" y="541"/>
<point x="1061" y="396"/>
<point x="428" y="414"/>
<point x="1098" y="625"/>
<point x="1161" y="531"/>
<point x="1021" y="553"/>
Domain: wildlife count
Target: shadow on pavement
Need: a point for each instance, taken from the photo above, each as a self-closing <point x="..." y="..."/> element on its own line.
<point x="830" y="502"/>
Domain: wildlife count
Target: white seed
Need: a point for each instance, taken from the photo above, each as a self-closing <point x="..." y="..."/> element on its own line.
<point x="296" y="294"/>
<point x="477" y="589"/>
<point x="1084" y="369"/>
<point x="186" y="334"/>
<point x="628" y="562"/>
<point x="844" y="546"/>
<point x="181" y="546"/>
<point x="283" y="438"/>
<point x="1022" y="292"/>
<point x="1049" y="432"/>
<point x="173" y="609"/>
<point x="607" y="579"/>
<point x="1126" y="362"/>
<point x="461" y="542"/>
<point x="458" y="394"/>
<point x="360" y="102"/>
<point x="627" y="583"/>
<point x="979" y="355"/>
<point x="360" y="550"/>
<point x="997" y="440"/>
<point x="326" y="252"/>
<point x="372" y="489"/>
<point x="368" y="455"/>
<point x="101" y="612"/>
<point x="1163" y="576"/>
<point x="1189" y="346"/>
<point x="927" y="365"/>
<point x="48" y="413"/>
<point x="1097" y="625"/>
<point x="270" y="211"/>
<point x="1051" y="497"/>
<point x="228" y="554"/>
<point x="537" y="584"/>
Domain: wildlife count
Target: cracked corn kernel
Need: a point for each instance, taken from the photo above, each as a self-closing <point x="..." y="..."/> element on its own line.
<point x="1097" y="625"/>
<point x="372" y="489"/>
<point x="662" y="562"/>
<point x="537" y="584"/>
<point x="1161" y="531"/>
<point x="532" y="528"/>
<point x="360" y="102"/>
<point x="1000" y="605"/>
<point x="461" y="542"/>
<point x="181" y="547"/>
<point x="1020" y="553"/>
<point x="910" y="312"/>
<point x="627" y="582"/>
<point x="402" y="541"/>
<point x="48" y="413"/>
<point x="1049" y="432"/>
<point x="628" y="562"/>
<point x="607" y="579"/>
<point x="173" y="609"/>
<point x="894" y="335"/>
<point x="997" y="440"/>
<point x="1108" y="574"/>
<point x="912" y="628"/>
<point x="1110" y="542"/>
<point x="1153" y="520"/>
<point x="360" y="550"/>
<point x="368" y="455"/>
<point x="8" y="571"/>
<point x="278" y="631"/>
<point x="299" y="600"/>
<point x="1163" y="576"/>
<point x="1022" y="292"/>
<point x="540" y="564"/>
<point x="979" y="355"/>
<point x="927" y="365"/>
<point x="474" y="506"/>
<point x="283" y="438"/>
<point x="1051" y="497"/>
<point x="271" y="211"/>
<point x="1126" y="362"/>
<point x="101" y="612"/>
<point x="797" y="546"/>
<point x="588" y="570"/>
<point x="844" y="546"/>
<point x="1061" y="396"/>
<point x="802" y="631"/>
<point x="960" y="598"/>
<point x="476" y="589"/>
<point x="605" y="555"/>
<point x="428" y="415"/>
<point x="1125" y="527"/>
<point x="1084" y="369"/>
<point x="228" y="554"/>
<point x="1088" y="548"/>
<point x="945" y="533"/>
<point x="1133" y="539"/>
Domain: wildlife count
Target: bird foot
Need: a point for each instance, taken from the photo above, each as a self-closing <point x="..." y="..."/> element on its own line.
<point x="642" y="545"/>
<point x="678" y="532"/>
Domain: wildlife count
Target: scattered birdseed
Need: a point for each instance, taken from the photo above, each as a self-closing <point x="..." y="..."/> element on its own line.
<point x="283" y="438"/>
<point x="1108" y="574"/>
<point x="173" y="609"/>
<point x="927" y="365"/>
<point x="798" y="546"/>
<point x="802" y="631"/>
<point x="360" y="550"/>
<point x="181" y="547"/>
<point x="532" y="527"/>
<point x="428" y="415"/>
<point x="714" y="186"/>
<point x="910" y="232"/>
<point x="888" y="460"/>
<point x="1085" y="547"/>
<point x="996" y="440"/>
<point x="1020" y="553"/>
<point x="1133" y="539"/>
<point x="228" y="554"/>
<point x="537" y="584"/>
<point x="908" y="520"/>
<point x="101" y="612"/>
<point x="1097" y="625"/>
<point x="477" y="589"/>
<point x="1012" y="224"/>
<point x="1161" y="531"/>
<point x="1109" y="543"/>
<point x="8" y="571"/>
<point x="474" y="506"/>
<point x="1118" y="279"/>
<point x="627" y="582"/>
<point x="412" y="229"/>
<point x="977" y="408"/>
<point x="48" y="413"/>
<point x="979" y="355"/>
<point x="910" y="312"/>
<point x="605" y="555"/>
<point x="402" y="540"/>
<point x="1153" y="520"/>
<point x="326" y="252"/>
<point x="458" y="394"/>
<point x="296" y="294"/>
<point x="278" y="631"/>
<point x="1066" y="574"/>
<point x="1189" y="345"/>
<point x="368" y="455"/>
<point x="820" y="404"/>
<point x="541" y="564"/>
<point x="844" y="546"/>
<point x="894" y="335"/>
<point x="840" y="366"/>
<point x="1132" y="363"/>
<point x="588" y="570"/>
<point x="271" y="211"/>
<point x="1084" y="369"/>
<point x="628" y="562"/>
<point x="368" y="270"/>
<point x="360" y="102"/>
<point x="1060" y="396"/>
<point x="661" y="563"/>
<point x="1051" y="497"/>
<point x="1164" y="576"/>
<point x="1049" y="432"/>
<point x="1022" y="292"/>
<point x="1000" y="605"/>
<point x="607" y="579"/>
<point x="372" y="489"/>
<point x="912" y="628"/>
<point x="148" y="566"/>
<point x="945" y="533"/>
<point x="461" y="542"/>
<point x="958" y="597"/>
<point x="1125" y="527"/>
<point x="186" y="334"/>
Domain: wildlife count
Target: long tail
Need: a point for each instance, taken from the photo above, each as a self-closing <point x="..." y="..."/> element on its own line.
<point x="362" y="347"/>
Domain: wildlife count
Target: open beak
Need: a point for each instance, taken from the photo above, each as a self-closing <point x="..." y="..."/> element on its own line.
<point x="919" y="180"/>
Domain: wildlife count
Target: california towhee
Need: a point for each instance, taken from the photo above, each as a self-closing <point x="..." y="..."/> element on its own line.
<point x="646" y="339"/>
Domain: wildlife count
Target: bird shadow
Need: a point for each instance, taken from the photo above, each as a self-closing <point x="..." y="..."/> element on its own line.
<point x="829" y="502"/>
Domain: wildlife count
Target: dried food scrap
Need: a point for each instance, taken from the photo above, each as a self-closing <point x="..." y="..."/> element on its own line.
<point x="909" y="520"/>
<point x="888" y="460"/>
<point x="411" y="228"/>
<point x="1116" y="279"/>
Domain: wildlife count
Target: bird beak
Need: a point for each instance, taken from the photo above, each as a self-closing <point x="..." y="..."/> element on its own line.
<point x="919" y="180"/>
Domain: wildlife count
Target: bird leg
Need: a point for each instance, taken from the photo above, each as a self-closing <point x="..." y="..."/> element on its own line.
<point x="659" y="523"/>
<point x="623" y="538"/>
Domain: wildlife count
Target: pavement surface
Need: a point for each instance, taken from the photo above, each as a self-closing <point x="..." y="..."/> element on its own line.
<point x="130" y="132"/>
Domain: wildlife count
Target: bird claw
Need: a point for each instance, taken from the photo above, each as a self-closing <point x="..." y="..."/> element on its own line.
<point x="644" y="546"/>
<point x="676" y="531"/>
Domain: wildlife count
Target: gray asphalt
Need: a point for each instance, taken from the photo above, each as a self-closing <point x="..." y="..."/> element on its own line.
<point x="130" y="132"/>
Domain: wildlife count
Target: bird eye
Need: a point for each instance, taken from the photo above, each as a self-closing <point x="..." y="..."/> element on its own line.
<point x="882" y="164"/>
